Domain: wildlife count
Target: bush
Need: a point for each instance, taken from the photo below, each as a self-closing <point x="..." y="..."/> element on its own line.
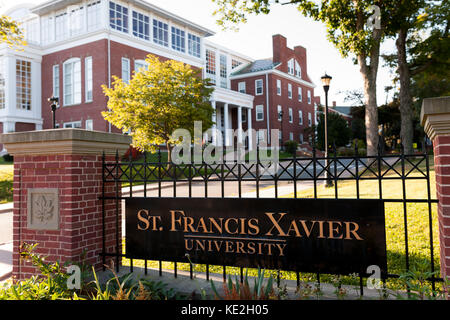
<point x="8" y="158"/>
<point x="291" y="146"/>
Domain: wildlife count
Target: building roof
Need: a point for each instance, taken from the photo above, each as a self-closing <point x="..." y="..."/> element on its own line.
<point x="256" y="66"/>
<point x="346" y="111"/>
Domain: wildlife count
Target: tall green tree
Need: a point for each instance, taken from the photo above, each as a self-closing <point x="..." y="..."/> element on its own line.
<point x="157" y="101"/>
<point x="355" y="27"/>
<point x="339" y="133"/>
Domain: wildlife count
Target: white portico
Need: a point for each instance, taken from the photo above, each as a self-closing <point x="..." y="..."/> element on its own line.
<point x="233" y="112"/>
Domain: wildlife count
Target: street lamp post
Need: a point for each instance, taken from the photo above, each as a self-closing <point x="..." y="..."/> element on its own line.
<point x="326" y="79"/>
<point x="54" y="105"/>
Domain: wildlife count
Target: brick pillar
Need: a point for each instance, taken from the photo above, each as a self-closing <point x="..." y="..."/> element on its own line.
<point x="57" y="185"/>
<point x="435" y="118"/>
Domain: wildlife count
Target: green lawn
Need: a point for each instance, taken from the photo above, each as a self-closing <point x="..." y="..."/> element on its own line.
<point x="6" y="181"/>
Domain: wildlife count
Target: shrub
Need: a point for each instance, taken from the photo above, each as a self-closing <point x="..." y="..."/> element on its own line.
<point x="291" y="146"/>
<point x="8" y="158"/>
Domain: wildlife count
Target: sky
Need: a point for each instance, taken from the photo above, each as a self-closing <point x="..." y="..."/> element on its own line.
<point x="254" y="39"/>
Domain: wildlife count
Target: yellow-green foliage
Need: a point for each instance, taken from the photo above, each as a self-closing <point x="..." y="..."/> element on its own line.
<point x="167" y="96"/>
<point x="10" y="32"/>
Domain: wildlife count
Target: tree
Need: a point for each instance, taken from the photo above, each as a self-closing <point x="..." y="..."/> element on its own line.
<point x="352" y="26"/>
<point x="339" y="133"/>
<point x="167" y="96"/>
<point x="10" y="32"/>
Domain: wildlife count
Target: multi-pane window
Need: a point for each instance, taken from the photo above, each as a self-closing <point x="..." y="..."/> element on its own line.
<point x="141" y="26"/>
<point x="259" y="89"/>
<point x="241" y="87"/>
<point x="289" y="91"/>
<point x="291" y="66"/>
<point x="211" y="65"/>
<point x="260" y="113"/>
<point x="178" y="39"/>
<point x="75" y="125"/>
<point x="309" y="97"/>
<point x="47" y="30"/>
<point x="223" y="71"/>
<point x="139" y="65"/>
<point x="300" y="117"/>
<point x="160" y="33"/>
<point x="280" y="113"/>
<point x="89" y="79"/>
<point x="291" y="116"/>
<point x="309" y="119"/>
<point x="2" y="84"/>
<point x="61" y="26"/>
<point x="298" y="69"/>
<point x="76" y="21"/>
<point x="279" y="87"/>
<point x="31" y="30"/>
<point x="300" y="94"/>
<point x="89" y="125"/>
<point x="194" y="45"/>
<point x="302" y="139"/>
<point x="261" y="136"/>
<point x="56" y="81"/>
<point x="94" y="15"/>
<point x="291" y="136"/>
<point x="72" y="82"/>
<point x="126" y="70"/>
<point x="23" y="84"/>
<point x="118" y="17"/>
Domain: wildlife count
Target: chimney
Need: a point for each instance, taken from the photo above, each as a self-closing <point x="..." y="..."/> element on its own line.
<point x="300" y="53"/>
<point x="279" y="44"/>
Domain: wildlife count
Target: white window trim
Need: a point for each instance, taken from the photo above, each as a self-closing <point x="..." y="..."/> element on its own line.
<point x="76" y="100"/>
<point x="91" y="121"/>
<point x="256" y="87"/>
<point x="300" y="94"/>
<point x="89" y="80"/>
<point x="300" y="117"/>
<point x="309" y="97"/>
<point x="126" y="61"/>
<point x="279" y="109"/>
<point x="291" y="116"/>
<point x="256" y="112"/>
<point x="56" y="80"/>
<point x="279" y="87"/>
<point x="242" y="85"/>
<point x="65" y="125"/>
<point x="290" y="91"/>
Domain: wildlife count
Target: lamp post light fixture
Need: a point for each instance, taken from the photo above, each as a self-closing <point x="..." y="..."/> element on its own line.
<point x="326" y="79"/>
<point x="54" y="105"/>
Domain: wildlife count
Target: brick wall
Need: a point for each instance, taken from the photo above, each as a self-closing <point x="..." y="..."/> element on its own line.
<point x="79" y="180"/>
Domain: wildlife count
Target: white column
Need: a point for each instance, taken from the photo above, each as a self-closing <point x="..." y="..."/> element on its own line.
<point x="240" y="125"/>
<point x="226" y="124"/>
<point x="214" y="126"/>
<point x="249" y="129"/>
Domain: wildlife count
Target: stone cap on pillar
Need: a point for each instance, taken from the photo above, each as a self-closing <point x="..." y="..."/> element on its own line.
<point x="435" y="116"/>
<point x="65" y="141"/>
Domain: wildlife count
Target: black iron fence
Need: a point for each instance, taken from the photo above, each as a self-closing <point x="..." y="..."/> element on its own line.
<point x="152" y="176"/>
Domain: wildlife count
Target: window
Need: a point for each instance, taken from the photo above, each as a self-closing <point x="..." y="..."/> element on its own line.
<point x="94" y="15"/>
<point x="259" y="87"/>
<point x="89" y="125"/>
<point x="302" y="139"/>
<point x="211" y="65"/>
<point x="76" y="21"/>
<point x="260" y="113"/>
<point x="194" y="45"/>
<point x="261" y="136"/>
<point x="61" y="26"/>
<point x="31" y="30"/>
<point x="291" y="116"/>
<point x="56" y="81"/>
<point x="74" y="125"/>
<point x="118" y="17"/>
<point x="223" y="71"/>
<point x="72" y="82"/>
<point x="47" y="31"/>
<point x="280" y="115"/>
<point x="140" y="64"/>
<point x="300" y="94"/>
<point x="23" y="85"/>
<point x="300" y="117"/>
<point x="160" y="33"/>
<point x="298" y="69"/>
<point x="2" y="84"/>
<point x="241" y="87"/>
<point x="291" y="66"/>
<point x="89" y="79"/>
<point x="126" y="70"/>
<point x="309" y="119"/>
<point x="279" y="87"/>
<point x="178" y="40"/>
<point x="244" y="116"/>
<point x="309" y="97"/>
<point x="141" y="26"/>
<point x="289" y="91"/>
<point x="291" y="136"/>
<point x="235" y="64"/>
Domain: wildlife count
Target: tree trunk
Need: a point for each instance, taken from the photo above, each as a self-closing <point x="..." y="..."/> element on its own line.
<point x="406" y="111"/>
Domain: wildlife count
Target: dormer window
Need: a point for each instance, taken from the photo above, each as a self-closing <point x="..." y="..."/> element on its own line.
<point x="291" y="66"/>
<point x="298" y="70"/>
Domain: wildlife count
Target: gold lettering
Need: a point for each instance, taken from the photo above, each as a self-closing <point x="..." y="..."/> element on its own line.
<point x="240" y="247"/>
<point x="242" y="225"/>
<point x="201" y="244"/>
<point x="202" y="225"/>
<point x="321" y="236"/>
<point x="218" y="245"/>
<point x="229" y="247"/>
<point x="334" y="230"/>
<point x="227" y="227"/>
<point x="154" y="218"/>
<point x="276" y="224"/>
<point x="281" y="248"/>
<point x="251" y="248"/>
<point x="293" y="227"/>
<point x="144" y="220"/>
<point x="213" y="221"/>
<point x="188" y="222"/>
<point x="253" y="227"/>
<point x="305" y="228"/>
<point x="186" y="244"/>
<point x="348" y="231"/>
<point x="173" y="216"/>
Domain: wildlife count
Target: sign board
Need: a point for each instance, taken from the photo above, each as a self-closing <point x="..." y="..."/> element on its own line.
<point x="308" y="235"/>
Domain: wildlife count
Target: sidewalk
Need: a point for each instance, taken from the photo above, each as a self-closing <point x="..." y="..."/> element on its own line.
<point x="5" y="261"/>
